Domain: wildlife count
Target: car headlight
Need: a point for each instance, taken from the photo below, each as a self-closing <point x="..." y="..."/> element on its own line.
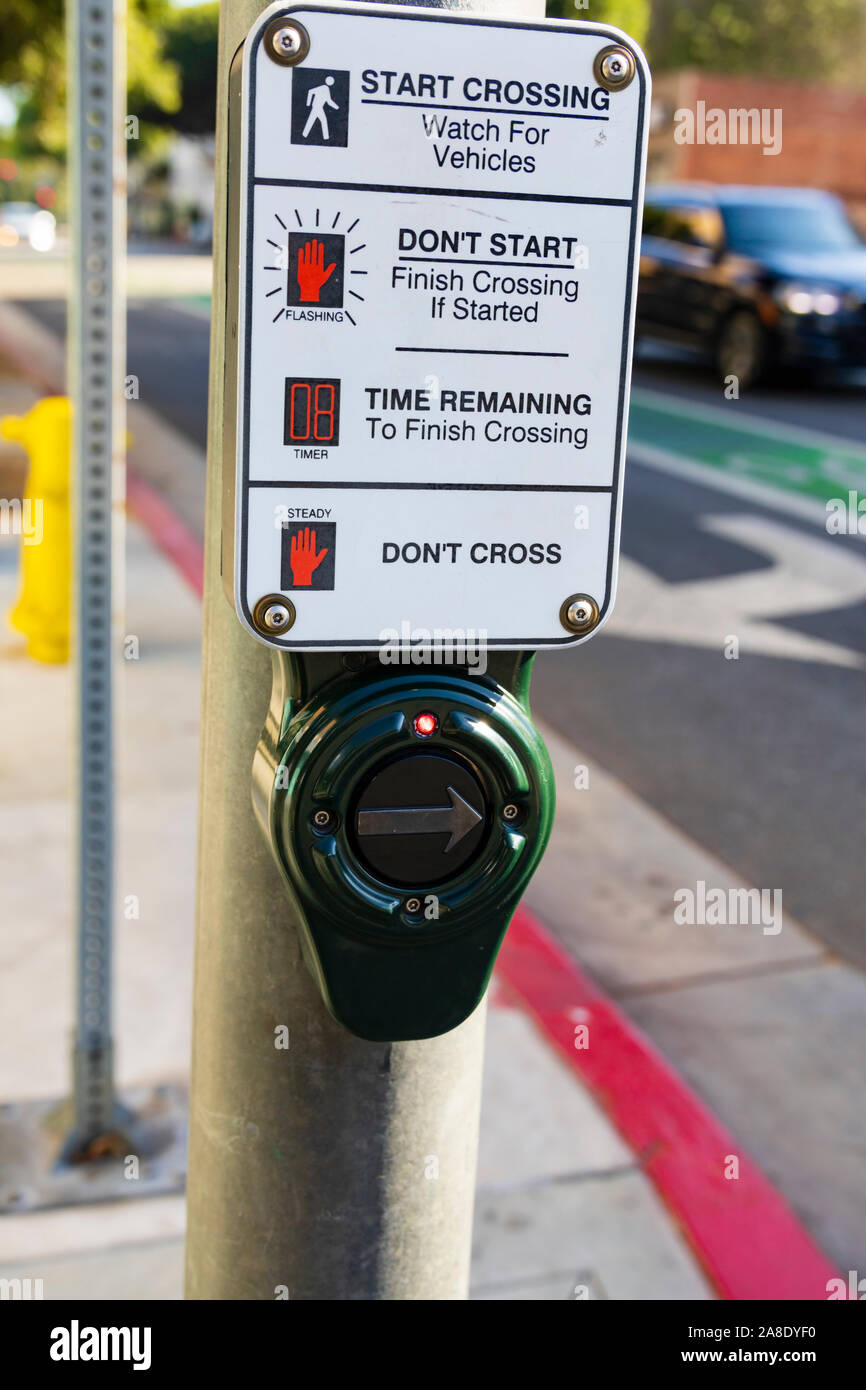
<point x="42" y="229"/>
<point x="808" y="299"/>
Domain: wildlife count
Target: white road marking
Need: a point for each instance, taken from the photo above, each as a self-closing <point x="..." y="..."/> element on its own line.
<point x="808" y="575"/>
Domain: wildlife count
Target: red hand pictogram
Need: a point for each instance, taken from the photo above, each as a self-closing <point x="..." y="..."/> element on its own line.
<point x="311" y="271"/>
<point x="303" y="558"/>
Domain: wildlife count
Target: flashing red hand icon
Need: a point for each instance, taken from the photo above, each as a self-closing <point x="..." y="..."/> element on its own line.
<point x="312" y="273"/>
<point x="303" y="558"/>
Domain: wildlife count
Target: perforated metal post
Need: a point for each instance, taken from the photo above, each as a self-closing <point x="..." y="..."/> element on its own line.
<point x="47" y="1158"/>
<point x="95" y="32"/>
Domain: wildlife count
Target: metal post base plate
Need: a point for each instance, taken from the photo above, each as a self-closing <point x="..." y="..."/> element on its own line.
<point x="143" y="1155"/>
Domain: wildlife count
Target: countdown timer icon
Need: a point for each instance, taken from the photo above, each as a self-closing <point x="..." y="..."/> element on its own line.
<point x="312" y="413"/>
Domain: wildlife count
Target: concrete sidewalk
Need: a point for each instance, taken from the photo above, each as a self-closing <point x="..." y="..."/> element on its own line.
<point x="564" y="1209"/>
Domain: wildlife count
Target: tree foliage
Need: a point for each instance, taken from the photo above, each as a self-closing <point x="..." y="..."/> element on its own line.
<point x="812" y="40"/>
<point x="33" y="62"/>
<point x="191" y="37"/>
<point x="630" y="15"/>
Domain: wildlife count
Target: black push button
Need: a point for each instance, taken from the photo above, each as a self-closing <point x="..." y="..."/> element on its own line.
<point x="419" y="820"/>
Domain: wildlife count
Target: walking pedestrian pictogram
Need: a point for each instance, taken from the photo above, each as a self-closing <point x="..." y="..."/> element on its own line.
<point x="320" y="107"/>
<point x="318" y="101"/>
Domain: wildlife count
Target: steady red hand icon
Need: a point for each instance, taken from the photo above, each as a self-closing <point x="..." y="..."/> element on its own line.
<point x="303" y="558"/>
<point x="311" y="271"/>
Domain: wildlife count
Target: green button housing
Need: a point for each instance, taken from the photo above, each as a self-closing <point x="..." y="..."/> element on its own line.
<point x="409" y="958"/>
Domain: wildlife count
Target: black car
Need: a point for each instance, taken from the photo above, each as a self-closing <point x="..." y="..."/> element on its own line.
<point x="761" y="277"/>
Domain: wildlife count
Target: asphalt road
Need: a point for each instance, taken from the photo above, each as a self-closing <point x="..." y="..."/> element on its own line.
<point x="835" y="405"/>
<point x="761" y="759"/>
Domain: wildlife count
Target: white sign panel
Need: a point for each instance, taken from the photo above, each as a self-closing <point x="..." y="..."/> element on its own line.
<point x="439" y="231"/>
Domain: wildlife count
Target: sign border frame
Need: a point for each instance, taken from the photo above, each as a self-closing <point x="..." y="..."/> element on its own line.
<point x="240" y="475"/>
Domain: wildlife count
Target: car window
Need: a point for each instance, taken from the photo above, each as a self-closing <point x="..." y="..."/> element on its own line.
<point x="656" y="220"/>
<point x="690" y="226"/>
<point x="753" y="227"/>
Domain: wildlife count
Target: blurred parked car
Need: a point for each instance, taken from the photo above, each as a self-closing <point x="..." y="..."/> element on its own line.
<point x="25" y="222"/>
<point x="760" y="277"/>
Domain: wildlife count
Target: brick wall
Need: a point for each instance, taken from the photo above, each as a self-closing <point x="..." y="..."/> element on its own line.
<point x="823" y="135"/>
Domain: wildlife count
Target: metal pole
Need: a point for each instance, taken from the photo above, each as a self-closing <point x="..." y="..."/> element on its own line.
<point x="336" y="1168"/>
<point x="96" y="37"/>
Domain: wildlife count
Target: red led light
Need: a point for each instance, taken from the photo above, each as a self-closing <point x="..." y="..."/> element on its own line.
<point x="425" y="725"/>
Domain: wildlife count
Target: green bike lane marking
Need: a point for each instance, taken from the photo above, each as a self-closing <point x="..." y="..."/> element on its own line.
<point x="780" y="456"/>
<point x="196" y="301"/>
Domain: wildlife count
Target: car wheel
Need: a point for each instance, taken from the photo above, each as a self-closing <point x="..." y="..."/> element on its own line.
<point x="742" y="348"/>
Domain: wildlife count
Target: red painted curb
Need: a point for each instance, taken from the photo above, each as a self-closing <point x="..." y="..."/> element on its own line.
<point x="177" y="541"/>
<point x="745" y="1235"/>
<point x="743" y="1232"/>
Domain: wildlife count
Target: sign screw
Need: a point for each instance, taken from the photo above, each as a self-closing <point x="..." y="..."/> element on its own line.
<point x="614" y="67"/>
<point x="273" y="614"/>
<point x="510" y="812"/>
<point x="413" y="905"/>
<point x="287" y="42"/>
<point x="579" y="614"/>
<point x="322" y="820"/>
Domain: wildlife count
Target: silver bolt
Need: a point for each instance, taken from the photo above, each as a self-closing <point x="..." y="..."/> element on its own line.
<point x="322" y="819"/>
<point x="614" y="68"/>
<point x="580" y="613"/>
<point x="272" y="614"/>
<point x="413" y="904"/>
<point x="287" y="42"/>
<point x="510" y="812"/>
<point x="275" y="616"/>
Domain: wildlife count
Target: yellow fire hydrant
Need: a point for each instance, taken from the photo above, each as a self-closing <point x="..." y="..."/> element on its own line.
<point x="42" y="612"/>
